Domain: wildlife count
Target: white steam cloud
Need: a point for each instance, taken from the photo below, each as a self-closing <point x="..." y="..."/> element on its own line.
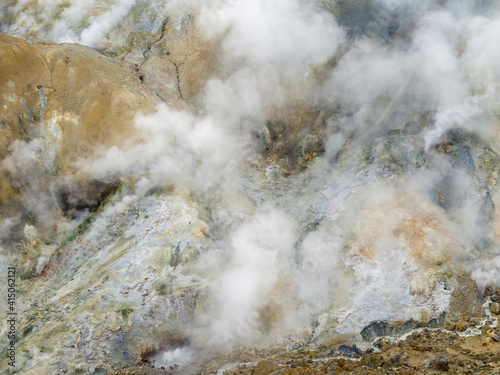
<point x="290" y="33"/>
<point x="260" y="253"/>
<point x="488" y="272"/>
<point x="175" y="147"/>
<point x="86" y="22"/>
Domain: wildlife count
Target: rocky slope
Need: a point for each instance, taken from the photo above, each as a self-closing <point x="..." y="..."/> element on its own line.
<point x="184" y="186"/>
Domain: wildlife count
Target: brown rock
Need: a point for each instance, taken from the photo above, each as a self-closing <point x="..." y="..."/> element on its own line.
<point x="265" y="367"/>
<point x="371" y="360"/>
<point x="493" y="334"/>
<point x="495" y="308"/>
<point x="461" y="326"/>
<point x="437" y="362"/>
<point x="495" y="295"/>
<point x="465" y="301"/>
<point x="191" y="57"/>
<point x="160" y="75"/>
<point x="86" y="101"/>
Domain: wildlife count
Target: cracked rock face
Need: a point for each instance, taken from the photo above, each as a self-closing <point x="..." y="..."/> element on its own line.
<point x="180" y="61"/>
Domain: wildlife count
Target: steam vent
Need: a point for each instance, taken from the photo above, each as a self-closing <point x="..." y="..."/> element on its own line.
<point x="284" y="187"/>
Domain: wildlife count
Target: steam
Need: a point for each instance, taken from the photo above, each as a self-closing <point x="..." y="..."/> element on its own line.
<point x="487" y="272"/>
<point x="86" y="22"/>
<point x="290" y="33"/>
<point x="465" y="116"/>
<point x="260" y="61"/>
<point x="26" y="166"/>
<point x="442" y="59"/>
<point x="260" y="252"/>
<point x="175" y="147"/>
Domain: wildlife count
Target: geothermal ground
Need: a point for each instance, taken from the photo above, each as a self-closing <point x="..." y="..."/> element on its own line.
<point x="249" y="187"/>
